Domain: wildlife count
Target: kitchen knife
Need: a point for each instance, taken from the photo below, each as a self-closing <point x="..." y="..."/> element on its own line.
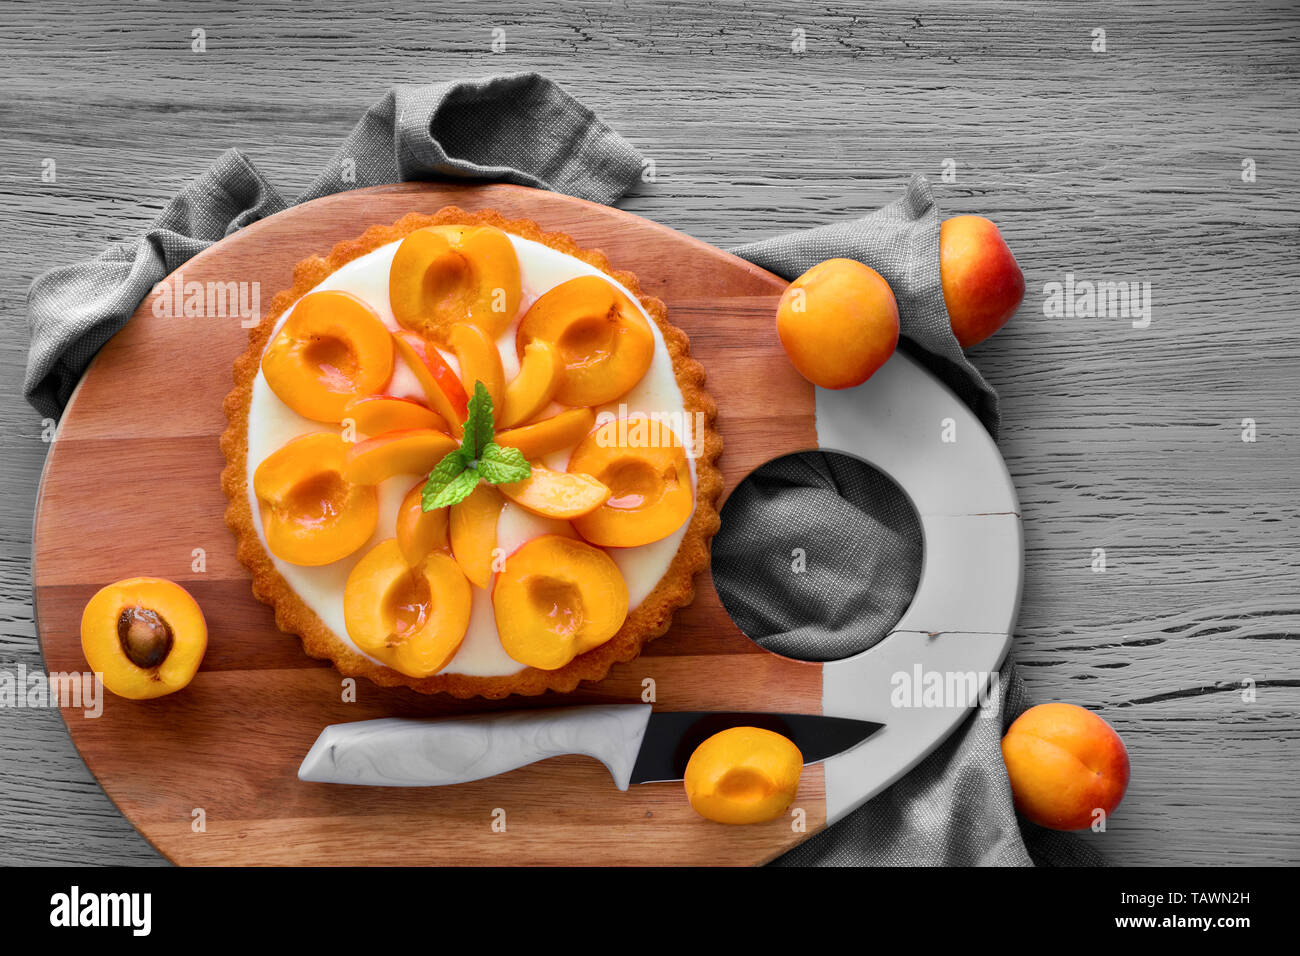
<point x="637" y="746"/>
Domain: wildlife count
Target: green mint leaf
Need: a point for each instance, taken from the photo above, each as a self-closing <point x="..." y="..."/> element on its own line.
<point x="478" y="423"/>
<point x="500" y="465"/>
<point x="454" y="492"/>
<point x="447" y="471"/>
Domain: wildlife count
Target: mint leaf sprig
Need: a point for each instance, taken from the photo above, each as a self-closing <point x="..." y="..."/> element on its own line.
<point x="479" y="458"/>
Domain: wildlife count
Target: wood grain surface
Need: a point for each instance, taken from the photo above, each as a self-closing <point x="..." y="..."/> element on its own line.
<point x="1119" y="165"/>
<point x="230" y="746"/>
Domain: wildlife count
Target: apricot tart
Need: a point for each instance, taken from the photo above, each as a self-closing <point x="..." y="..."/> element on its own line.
<point x="467" y="456"/>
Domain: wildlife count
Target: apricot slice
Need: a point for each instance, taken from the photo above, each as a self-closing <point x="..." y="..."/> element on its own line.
<point x="474" y="533"/>
<point x="557" y="598"/>
<point x="376" y="414"/>
<point x="604" y="340"/>
<point x="332" y="348"/>
<point x="411" y="618"/>
<point x="413" y="451"/>
<point x="447" y="274"/>
<point x="743" y="775"/>
<point x="479" y="361"/>
<point x="146" y="636"/>
<point x="442" y="389"/>
<point x="643" y="464"/>
<point x="541" y="372"/>
<point x="556" y="494"/>
<point x="420" y="532"/>
<point x="311" y="513"/>
<point x="550" y="434"/>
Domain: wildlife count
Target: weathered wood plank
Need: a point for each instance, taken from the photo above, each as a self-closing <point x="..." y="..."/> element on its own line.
<point x="1123" y="165"/>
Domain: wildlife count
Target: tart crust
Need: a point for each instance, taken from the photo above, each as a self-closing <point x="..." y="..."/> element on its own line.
<point x="647" y="621"/>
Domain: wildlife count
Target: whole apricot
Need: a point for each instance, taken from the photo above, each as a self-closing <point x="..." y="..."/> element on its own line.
<point x="1065" y="764"/>
<point x="838" y="322"/>
<point x="145" y="636"/>
<point x="743" y="775"/>
<point x="982" y="282"/>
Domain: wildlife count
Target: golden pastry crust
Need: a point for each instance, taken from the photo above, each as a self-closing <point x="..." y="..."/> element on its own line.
<point x="647" y="621"/>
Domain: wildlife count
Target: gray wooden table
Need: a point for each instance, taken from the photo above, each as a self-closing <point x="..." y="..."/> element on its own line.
<point x="1122" y="165"/>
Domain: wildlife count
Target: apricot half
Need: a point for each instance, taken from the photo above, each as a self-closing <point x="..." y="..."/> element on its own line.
<point x="541" y="372"/>
<point x="146" y="636"/>
<point x="442" y="389"/>
<point x="1066" y="766"/>
<point x="442" y="275"/>
<point x="550" y="434"/>
<point x="311" y="514"/>
<point x="556" y="494"/>
<point x="413" y="451"/>
<point x="474" y="533"/>
<point x="557" y="598"/>
<point x="643" y="464"/>
<point x="411" y="618"/>
<point x="420" y="532"/>
<point x="332" y="349"/>
<point x="376" y="414"/>
<point x="604" y="340"/>
<point x="743" y="775"/>
<point x="838" y="323"/>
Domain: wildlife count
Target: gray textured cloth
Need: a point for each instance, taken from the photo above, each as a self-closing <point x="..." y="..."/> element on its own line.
<point x="526" y="129"/>
<point x="521" y="128"/>
<point x="848" y="523"/>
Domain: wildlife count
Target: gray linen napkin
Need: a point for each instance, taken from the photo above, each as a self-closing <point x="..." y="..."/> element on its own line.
<point x="520" y="128"/>
<point x="525" y="129"/>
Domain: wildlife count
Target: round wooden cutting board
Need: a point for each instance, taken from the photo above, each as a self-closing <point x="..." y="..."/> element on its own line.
<point x="208" y="775"/>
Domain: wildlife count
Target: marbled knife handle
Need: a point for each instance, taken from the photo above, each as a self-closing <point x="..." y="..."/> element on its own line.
<point x="404" y="752"/>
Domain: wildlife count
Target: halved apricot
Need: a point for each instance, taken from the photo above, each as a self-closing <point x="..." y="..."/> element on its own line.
<point x="145" y="636"/>
<point x="550" y="434"/>
<point x="411" y="618"/>
<point x="556" y="494"/>
<point x="442" y="389"/>
<point x="541" y="373"/>
<point x="557" y="598"/>
<point x="332" y="348"/>
<point x="743" y="775"/>
<point x="479" y="361"/>
<point x="311" y="514"/>
<point x="376" y="414"/>
<point x="442" y="275"/>
<point x="644" y="465"/>
<point x="604" y="340"/>
<point x="420" y="532"/>
<point x="413" y="451"/>
<point x="474" y="533"/>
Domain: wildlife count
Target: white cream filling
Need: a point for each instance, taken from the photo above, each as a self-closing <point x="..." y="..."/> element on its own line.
<point x="272" y="424"/>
